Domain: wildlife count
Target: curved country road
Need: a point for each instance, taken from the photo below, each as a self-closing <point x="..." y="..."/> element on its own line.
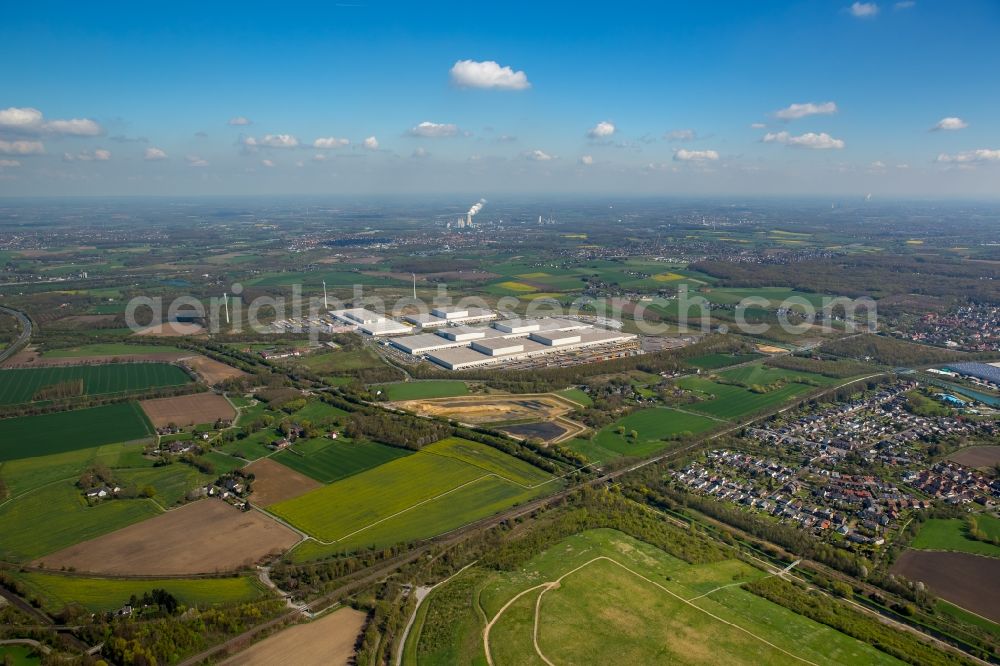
<point x="22" y="340"/>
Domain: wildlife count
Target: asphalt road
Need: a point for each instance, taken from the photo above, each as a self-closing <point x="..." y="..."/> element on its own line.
<point x="22" y="339"/>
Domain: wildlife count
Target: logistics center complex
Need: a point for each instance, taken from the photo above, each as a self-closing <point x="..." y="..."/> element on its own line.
<point x="456" y="345"/>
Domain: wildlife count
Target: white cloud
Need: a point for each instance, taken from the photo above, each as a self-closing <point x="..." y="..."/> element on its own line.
<point x="487" y="74"/>
<point x="821" y="141"/>
<point x="420" y="153"/>
<point x="371" y="143"/>
<point x="29" y="120"/>
<point x="154" y="154"/>
<point x="683" y="155"/>
<point x="863" y="9"/>
<point x="905" y="4"/>
<point x="14" y="118"/>
<point x="587" y="159"/>
<point x="538" y="156"/>
<point x="21" y="147"/>
<point x="680" y="135"/>
<point x="74" y="127"/>
<point x="9" y="164"/>
<point x="195" y="161"/>
<point x="433" y="130"/>
<point x="239" y="121"/>
<point x="268" y="163"/>
<point x="99" y="155"/>
<point x="796" y="111"/>
<point x="601" y="130"/>
<point x="330" y="142"/>
<point x="979" y="156"/>
<point x="950" y="123"/>
<point x="758" y="125"/>
<point x="279" y="141"/>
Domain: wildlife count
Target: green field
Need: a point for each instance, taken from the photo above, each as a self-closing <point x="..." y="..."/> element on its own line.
<point x="171" y="482"/>
<point x="423" y="389"/>
<point x="113" y="349"/>
<point x="728" y="401"/>
<point x="950" y="534"/>
<point x="652" y="425"/>
<point x="578" y="396"/>
<point x="19" y="655"/>
<point x="328" y="460"/>
<point x="106" y="594"/>
<point x="25" y="474"/>
<point x="716" y="361"/>
<point x="57" y="516"/>
<point x="637" y="606"/>
<point x="445" y="485"/>
<point x="318" y="412"/>
<point x="44" y="434"/>
<point x="21" y="384"/>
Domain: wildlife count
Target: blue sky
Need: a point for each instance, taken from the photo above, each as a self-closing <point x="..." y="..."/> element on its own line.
<point x="788" y="98"/>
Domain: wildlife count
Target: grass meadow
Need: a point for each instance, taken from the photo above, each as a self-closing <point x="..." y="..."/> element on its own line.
<point x="418" y="390"/>
<point x="652" y="425"/>
<point x="603" y="613"/>
<point x="728" y="401"/>
<point x="950" y="534"/>
<point x="57" y="591"/>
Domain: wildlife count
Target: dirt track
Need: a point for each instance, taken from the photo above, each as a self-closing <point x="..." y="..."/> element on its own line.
<point x="202" y="537"/>
<point x="328" y="641"/>
<point x="186" y="410"/>
<point x="970" y="581"/>
<point x="274" y="482"/>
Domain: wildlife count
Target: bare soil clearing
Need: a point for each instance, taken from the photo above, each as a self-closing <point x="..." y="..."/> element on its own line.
<point x="478" y="410"/>
<point x="977" y="456"/>
<point x="969" y="581"/>
<point x="206" y="536"/>
<point x="212" y="371"/>
<point x="187" y="410"/>
<point x="328" y="641"/>
<point x="273" y="482"/>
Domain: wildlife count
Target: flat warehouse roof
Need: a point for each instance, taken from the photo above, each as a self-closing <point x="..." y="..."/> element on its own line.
<point x="385" y="327"/>
<point x="555" y="336"/>
<point x="516" y="325"/>
<point x="560" y="324"/>
<point x="415" y="344"/>
<point x="597" y="335"/>
<point x="466" y="332"/>
<point x="459" y="356"/>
